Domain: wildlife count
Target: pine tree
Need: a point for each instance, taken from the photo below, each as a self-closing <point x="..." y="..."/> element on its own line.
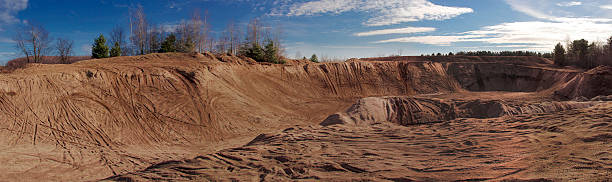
<point x="169" y="45"/>
<point x="256" y="52"/>
<point x="116" y="50"/>
<point x="314" y="58"/>
<point x="99" y="49"/>
<point x="270" y="53"/>
<point x="186" y="46"/>
<point x="580" y="50"/>
<point x="559" y="56"/>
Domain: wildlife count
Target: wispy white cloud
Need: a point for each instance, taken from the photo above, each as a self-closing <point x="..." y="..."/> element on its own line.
<point x="348" y="47"/>
<point x="440" y="40"/>
<point x="569" y="4"/>
<point x="553" y="9"/>
<point x="406" y="30"/>
<point x="383" y="12"/>
<point x="534" y="35"/>
<point x="528" y="9"/>
<point x="554" y="25"/>
<point x="8" y="9"/>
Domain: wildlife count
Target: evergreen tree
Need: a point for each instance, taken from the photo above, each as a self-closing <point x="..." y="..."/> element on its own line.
<point x="186" y="46"/>
<point x="99" y="49"/>
<point x="608" y="47"/>
<point x="559" y="55"/>
<point x="591" y="57"/>
<point x="580" y="50"/>
<point x="169" y="45"/>
<point x="255" y="52"/>
<point x="116" y="50"/>
<point x="271" y="52"/>
<point x="314" y="58"/>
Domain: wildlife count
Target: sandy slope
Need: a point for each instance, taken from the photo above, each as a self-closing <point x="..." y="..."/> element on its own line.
<point x="101" y="118"/>
<point x="560" y="146"/>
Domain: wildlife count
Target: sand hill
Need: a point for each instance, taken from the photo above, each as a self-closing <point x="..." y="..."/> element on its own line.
<point x="127" y="117"/>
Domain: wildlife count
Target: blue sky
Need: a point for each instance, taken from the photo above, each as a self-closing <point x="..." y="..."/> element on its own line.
<point x="337" y="28"/>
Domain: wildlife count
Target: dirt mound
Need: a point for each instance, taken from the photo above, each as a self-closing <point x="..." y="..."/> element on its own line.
<point x="399" y="110"/>
<point x="409" y="110"/>
<point x="595" y="82"/>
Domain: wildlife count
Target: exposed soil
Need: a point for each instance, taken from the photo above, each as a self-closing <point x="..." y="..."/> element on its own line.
<point x="154" y="116"/>
<point x="572" y="145"/>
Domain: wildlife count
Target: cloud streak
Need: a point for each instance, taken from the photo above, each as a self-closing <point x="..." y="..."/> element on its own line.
<point x="569" y="4"/>
<point x="383" y="12"/>
<point x="406" y="30"/>
<point x="554" y="25"/>
<point x="534" y="35"/>
<point x="8" y="9"/>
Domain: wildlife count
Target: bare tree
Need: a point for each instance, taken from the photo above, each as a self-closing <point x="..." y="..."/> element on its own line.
<point x="277" y="36"/>
<point x="139" y="29"/>
<point x="184" y="37"/>
<point x="210" y="43"/>
<point x="222" y="43"/>
<point x="64" y="49"/>
<point x="229" y="42"/>
<point x="233" y="37"/>
<point x="33" y="41"/>
<point x="192" y="34"/>
<point x="274" y="34"/>
<point x="118" y="35"/>
<point x="154" y="39"/>
<point x="199" y="29"/>
<point x="254" y="31"/>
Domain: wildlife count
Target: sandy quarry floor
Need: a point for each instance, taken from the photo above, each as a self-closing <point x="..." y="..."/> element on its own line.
<point x="565" y="146"/>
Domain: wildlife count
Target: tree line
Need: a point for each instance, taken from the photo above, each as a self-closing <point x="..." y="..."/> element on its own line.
<point x="258" y="41"/>
<point x="581" y="53"/>
<point x="494" y="53"/>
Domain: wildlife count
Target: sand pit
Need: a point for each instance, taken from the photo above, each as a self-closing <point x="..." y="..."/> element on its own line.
<point x="135" y="117"/>
<point x="538" y="147"/>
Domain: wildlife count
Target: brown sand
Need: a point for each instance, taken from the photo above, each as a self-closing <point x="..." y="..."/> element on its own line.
<point x="573" y="145"/>
<point x="100" y="118"/>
